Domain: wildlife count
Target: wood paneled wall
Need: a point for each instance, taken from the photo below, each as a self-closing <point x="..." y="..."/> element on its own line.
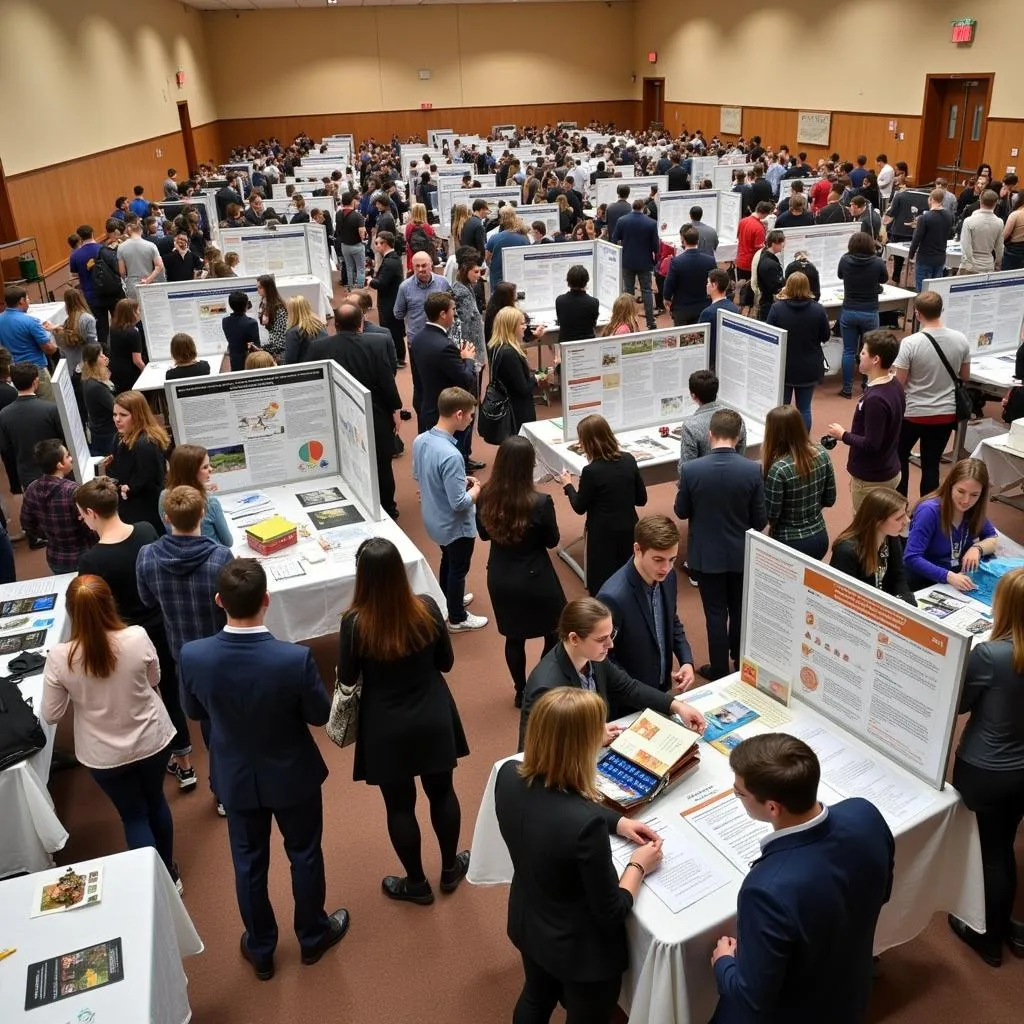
<point x="1002" y="136"/>
<point x="208" y="144"/>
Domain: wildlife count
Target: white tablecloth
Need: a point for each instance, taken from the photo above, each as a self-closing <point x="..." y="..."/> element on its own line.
<point x="140" y="906"/>
<point x="954" y="254"/>
<point x="994" y="371"/>
<point x="670" y="981"/>
<point x="890" y="299"/>
<point x="311" y="605"/>
<point x="154" y="376"/>
<point x="1005" y="466"/>
<point x="30" y="830"/>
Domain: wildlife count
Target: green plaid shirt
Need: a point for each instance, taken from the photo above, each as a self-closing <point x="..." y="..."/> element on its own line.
<point x="794" y="504"/>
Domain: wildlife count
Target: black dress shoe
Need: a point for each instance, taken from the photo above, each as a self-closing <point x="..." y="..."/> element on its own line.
<point x="475" y="464"/>
<point x="397" y="888"/>
<point x="339" y="926"/>
<point x="1015" y="939"/>
<point x="992" y="955"/>
<point x="264" y="968"/>
<point x="451" y="877"/>
<point x="709" y="673"/>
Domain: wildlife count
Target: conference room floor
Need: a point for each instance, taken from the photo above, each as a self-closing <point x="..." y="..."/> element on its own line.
<point x="451" y="963"/>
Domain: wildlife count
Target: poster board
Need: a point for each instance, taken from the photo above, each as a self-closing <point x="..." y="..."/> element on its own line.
<point x="813" y="127"/>
<point x="204" y="202"/>
<point x="674" y="211"/>
<point x="71" y="422"/>
<point x="987" y="308"/>
<point x="607" y="273"/>
<point x="539" y="272"/>
<point x="288" y="250"/>
<point x="547" y="212"/>
<point x="353" y="419"/>
<point x="879" y="668"/>
<point x="730" y="121"/>
<point x="786" y="186"/>
<point x="750" y="362"/>
<point x="722" y="175"/>
<point x="702" y="167"/>
<point x="326" y="203"/>
<point x="264" y="427"/>
<point x="449" y="197"/>
<point x="730" y="209"/>
<point x="824" y="244"/>
<point x="632" y="380"/>
<point x="503" y="131"/>
<point x="197" y="308"/>
<point x="639" y="188"/>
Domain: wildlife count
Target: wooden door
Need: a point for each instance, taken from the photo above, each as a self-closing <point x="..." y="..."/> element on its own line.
<point x="956" y="116"/>
<point x="654" y="102"/>
<point x="187" y="140"/>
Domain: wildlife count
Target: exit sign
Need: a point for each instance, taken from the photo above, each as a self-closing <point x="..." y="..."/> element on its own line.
<point x="963" y="30"/>
<point x="652" y="57"/>
<point x="426" y="106"/>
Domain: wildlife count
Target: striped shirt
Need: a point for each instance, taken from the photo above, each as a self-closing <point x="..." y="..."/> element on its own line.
<point x="794" y="503"/>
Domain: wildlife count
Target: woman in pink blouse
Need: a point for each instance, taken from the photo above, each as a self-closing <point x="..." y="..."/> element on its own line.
<point x="110" y="672"/>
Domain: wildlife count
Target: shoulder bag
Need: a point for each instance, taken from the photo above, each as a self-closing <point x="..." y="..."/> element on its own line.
<point x="494" y="420"/>
<point x="962" y="400"/>
<point x="343" y="724"/>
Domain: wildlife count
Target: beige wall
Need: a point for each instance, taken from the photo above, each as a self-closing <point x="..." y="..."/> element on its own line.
<point x="870" y="56"/>
<point x="54" y="52"/>
<point x="471" y="52"/>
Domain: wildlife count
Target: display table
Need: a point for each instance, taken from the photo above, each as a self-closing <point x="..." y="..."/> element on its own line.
<point x="994" y="373"/>
<point x="141" y="907"/>
<point x="954" y="254"/>
<point x="890" y="299"/>
<point x="154" y="376"/>
<point x="311" y="604"/>
<point x="1005" y="468"/>
<point x="31" y="830"/>
<point x="670" y="980"/>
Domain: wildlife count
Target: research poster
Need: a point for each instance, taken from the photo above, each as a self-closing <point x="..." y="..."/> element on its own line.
<point x="702" y="168"/>
<point x="281" y="251"/>
<point x="730" y="120"/>
<point x="879" y="668"/>
<point x="674" y="211"/>
<point x="786" y="186"/>
<point x="824" y="246"/>
<point x="750" y="361"/>
<point x="632" y="380"/>
<point x="607" y="273"/>
<point x="547" y="212"/>
<point x="450" y="197"/>
<point x="730" y="206"/>
<point x="538" y="271"/>
<point x="639" y="188"/>
<point x="723" y="175"/>
<point x="71" y="420"/>
<point x="813" y="127"/>
<point x="260" y="428"/>
<point x="987" y="308"/>
<point x="354" y="418"/>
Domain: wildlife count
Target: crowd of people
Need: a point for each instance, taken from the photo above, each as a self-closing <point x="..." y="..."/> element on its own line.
<point x="171" y="623"/>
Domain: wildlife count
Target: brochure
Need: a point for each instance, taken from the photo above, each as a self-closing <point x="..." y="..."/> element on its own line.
<point x="62" y="890"/>
<point x="70" y="974"/>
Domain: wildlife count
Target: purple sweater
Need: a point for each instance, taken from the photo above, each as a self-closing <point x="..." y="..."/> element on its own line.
<point x="874" y="432"/>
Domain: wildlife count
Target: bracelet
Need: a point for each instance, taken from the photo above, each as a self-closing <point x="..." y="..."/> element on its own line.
<point x="639" y="867"/>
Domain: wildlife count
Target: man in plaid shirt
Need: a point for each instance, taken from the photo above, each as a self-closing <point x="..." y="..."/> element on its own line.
<point x="48" y="510"/>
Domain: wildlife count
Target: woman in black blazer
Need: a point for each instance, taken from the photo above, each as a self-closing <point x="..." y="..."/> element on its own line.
<point x="408" y="725"/>
<point x="566" y="908"/>
<point x="139" y="462"/>
<point x="870" y="549"/>
<point x="508" y="365"/>
<point x="576" y="310"/>
<point x="610" y="490"/>
<point x="989" y="766"/>
<point x="520" y="523"/>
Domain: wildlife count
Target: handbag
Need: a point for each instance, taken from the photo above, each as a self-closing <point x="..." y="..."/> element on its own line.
<point x="21" y="735"/>
<point x="343" y="723"/>
<point x="494" y="422"/>
<point x="964" y="405"/>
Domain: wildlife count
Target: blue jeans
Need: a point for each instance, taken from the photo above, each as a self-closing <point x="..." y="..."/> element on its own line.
<point x="137" y="791"/>
<point x="354" y="257"/>
<point x="926" y="272"/>
<point x="804" y="393"/>
<point x="628" y="286"/>
<point x="853" y="325"/>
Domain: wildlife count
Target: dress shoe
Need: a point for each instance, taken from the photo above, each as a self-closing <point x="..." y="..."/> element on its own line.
<point x="1015" y="939"/>
<point x="475" y="464"/>
<point x="339" y="921"/>
<point x="451" y="877"/>
<point x="992" y="955"/>
<point x="709" y="673"/>
<point x="397" y="888"/>
<point x="264" y="968"/>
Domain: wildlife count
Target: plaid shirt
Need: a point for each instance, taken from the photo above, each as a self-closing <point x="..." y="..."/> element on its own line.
<point x="793" y="503"/>
<point x="48" y="511"/>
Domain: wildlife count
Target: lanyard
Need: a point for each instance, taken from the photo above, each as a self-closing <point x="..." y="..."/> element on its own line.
<point x="958" y="543"/>
<point x="883" y="564"/>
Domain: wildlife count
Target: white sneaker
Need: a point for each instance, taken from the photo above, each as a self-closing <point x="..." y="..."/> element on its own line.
<point x="467" y="600"/>
<point x="471" y="622"/>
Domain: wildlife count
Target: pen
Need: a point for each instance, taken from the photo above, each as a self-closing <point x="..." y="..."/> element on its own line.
<point x="4" y="953"/>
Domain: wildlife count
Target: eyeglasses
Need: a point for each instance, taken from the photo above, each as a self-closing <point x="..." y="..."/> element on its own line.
<point x="610" y="638"/>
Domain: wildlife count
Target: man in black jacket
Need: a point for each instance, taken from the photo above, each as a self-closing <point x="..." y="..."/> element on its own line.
<point x="899" y="218"/>
<point x="833" y="212"/>
<point x="770" y="279"/>
<point x="25" y="422"/>
<point x="366" y="359"/>
<point x="390" y="274"/>
<point x="230" y="193"/>
<point x="576" y="310"/>
<point x="687" y="279"/>
<point x="474" y="232"/>
<point x="928" y="245"/>
<point x="617" y="209"/>
<point x="437" y="364"/>
<point x="758" y="191"/>
<point x="677" y="177"/>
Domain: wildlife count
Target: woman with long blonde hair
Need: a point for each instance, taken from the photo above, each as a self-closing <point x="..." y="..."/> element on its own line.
<point x="989" y="767"/>
<point x="418" y="222"/>
<point x="98" y="398"/>
<point x="77" y="331"/>
<point x="460" y="214"/>
<point x="138" y="463"/>
<point x="509" y="366"/>
<point x="303" y="327"/>
<point x="623" y="319"/>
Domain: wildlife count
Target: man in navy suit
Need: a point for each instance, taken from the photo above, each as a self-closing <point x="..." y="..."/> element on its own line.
<point x="638" y="236"/>
<point x="807" y="911"/>
<point x="642" y="599"/>
<point x="261" y="695"/>
<point x="722" y="494"/>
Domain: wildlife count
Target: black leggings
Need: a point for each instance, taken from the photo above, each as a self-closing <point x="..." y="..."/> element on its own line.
<point x="585" y="1002"/>
<point x="515" y="657"/>
<point x="445" y="817"/>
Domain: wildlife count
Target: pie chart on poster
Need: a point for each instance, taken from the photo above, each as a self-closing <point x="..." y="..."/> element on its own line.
<point x="311" y="452"/>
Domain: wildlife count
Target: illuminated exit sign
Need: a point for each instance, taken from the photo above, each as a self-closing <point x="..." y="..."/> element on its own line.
<point x="963" y="30"/>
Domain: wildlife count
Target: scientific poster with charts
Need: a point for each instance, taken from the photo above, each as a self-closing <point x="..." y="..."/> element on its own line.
<point x="876" y="666"/>
<point x="260" y="427"/>
<point x="632" y="380"/>
<point x="607" y="274"/>
<point x="451" y="194"/>
<point x="354" y="418"/>
<point x="702" y="168"/>
<point x="539" y="271"/>
<point x="263" y="251"/>
<point x="723" y="176"/>
<point x="988" y="309"/>
<point x="674" y="211"/>
<point x="750" y="362"/>
<point x="639" y="188"/>
<point x="824" y="246"/>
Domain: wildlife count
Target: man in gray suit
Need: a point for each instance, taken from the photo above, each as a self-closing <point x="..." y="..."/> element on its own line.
<point x="722" y="495"/>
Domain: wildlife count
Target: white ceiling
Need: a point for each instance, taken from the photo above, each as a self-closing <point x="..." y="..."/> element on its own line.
<point x="255" y="5"/>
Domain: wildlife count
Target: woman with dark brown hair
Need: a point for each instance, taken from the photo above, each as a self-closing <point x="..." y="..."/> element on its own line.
<point x="125" y="342"/>
<point x="610" y="490"/>
<point x="123" y="734"/>
<point x="520" y="523"/>
<point x="138" y="463"/>
<point x="189" y="466"/>
<point x="273" y="315"/>
<point x="408" y="723"/>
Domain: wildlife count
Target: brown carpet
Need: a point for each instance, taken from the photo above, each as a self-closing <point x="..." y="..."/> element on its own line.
<point x="451" y="963"/>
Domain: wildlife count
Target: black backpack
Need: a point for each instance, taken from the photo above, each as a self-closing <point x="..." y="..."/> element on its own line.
<point x="420" y="241"/>
<point x="106" y="281"/>
<point x="20" y="732"/>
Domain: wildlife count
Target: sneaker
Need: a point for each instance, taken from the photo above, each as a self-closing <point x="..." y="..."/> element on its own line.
<point x="186" y="778"/>
<point x="172" y="767"/>
<point x="470" y="622"/>
<point x="689" y="575"/>
<point x="467" y="600"/>
<point x="220" y="810"/>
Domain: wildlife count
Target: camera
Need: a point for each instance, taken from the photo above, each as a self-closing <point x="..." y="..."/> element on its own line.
<point x="520" y="296"/>
<point x="828" y="442"/>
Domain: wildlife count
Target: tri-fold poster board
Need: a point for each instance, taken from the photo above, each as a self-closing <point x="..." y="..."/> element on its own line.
<point x="702" y="168"/>
<point x="539" y="271"/>
<point x="71" y="420"/>
<point x="786" y="186"/>
<point x="874" y="665"/>
<point x="450" y="197"/>
<point x="824" y="245"/>
<point x="720" y="210"/>
<point x="750" y="362"/>
<point x="632" y="380"/>
<point x="723" y="176"/>
<point x="288" y="250"/>
<point x="987" y="308"/>
<point x="282" y="425"/>
<point x="606" y="189"/>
